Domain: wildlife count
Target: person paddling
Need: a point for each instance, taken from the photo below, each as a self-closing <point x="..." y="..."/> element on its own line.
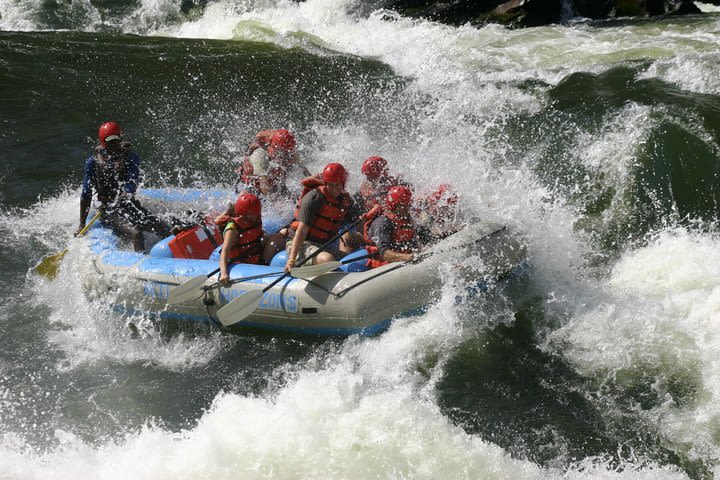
<point x="244" y="239"/>
<point x="438" y="213"/>
<point x="377" y="182"/>
<point x="391" y="235"/>
<point x="279" y="149"/>
<point x="112" y="172"/>
<point x="319" y="215"/>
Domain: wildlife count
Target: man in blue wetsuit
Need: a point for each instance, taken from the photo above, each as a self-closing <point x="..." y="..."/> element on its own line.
<point x="113" y="173"/>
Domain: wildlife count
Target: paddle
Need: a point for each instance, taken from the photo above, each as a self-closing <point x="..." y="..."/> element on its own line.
<point x="322" y="268"/>
<point x="429" y="253"/>
<point x="317" y="270"/>
<point x="50" y="264"/>
<point x="192" y="289"/>
<point x="314" y="270"/>
<point x="199" y="286"/>
<point x="189" y="290"/>
<point x="240" y="308"/>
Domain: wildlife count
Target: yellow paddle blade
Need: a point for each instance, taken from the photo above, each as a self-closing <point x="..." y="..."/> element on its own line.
<point x="50" y="264"/>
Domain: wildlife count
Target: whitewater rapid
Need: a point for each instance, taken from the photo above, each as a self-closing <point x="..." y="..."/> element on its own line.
<point x="361" y="408"/>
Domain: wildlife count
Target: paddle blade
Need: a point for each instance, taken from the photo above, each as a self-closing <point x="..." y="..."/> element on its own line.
<point x="314" y="270"/>
<point x="190" y="290"/>
<point x="49" y="266"/>
<point x="240" y="308"/>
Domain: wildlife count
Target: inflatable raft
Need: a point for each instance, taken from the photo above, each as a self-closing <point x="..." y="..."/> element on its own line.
<point x="349" y="300"/>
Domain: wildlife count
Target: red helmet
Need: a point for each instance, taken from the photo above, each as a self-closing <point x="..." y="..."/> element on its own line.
<point x="334" y="172"/>
<point x="282" y="141"/>
<point x="398" y="195"/>
<point x="247" y="204"/>
<point x="374" y="167"/>
<point x="108" y="130"/>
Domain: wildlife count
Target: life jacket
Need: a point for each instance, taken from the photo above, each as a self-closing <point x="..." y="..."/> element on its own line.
<point x="403" y="240"/>
<point x="196" y="242"/>
<point x="280" y="165"/>
<point x="330" y="217"/>
<point x="373" y="193"/>
<point x="111" y="172"/>
<point x="249" y="246"/>
<point x="249" y="182"/>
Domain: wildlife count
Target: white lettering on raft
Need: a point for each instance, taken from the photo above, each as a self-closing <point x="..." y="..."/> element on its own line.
<point x="270" y="300"/>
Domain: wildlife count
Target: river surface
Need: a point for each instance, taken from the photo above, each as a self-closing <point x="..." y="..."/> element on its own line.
<point x="598" y="144"/>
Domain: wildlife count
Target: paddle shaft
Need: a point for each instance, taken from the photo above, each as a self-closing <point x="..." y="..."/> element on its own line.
<point x="304" y="260"/>
<point x="423" y="256"/>
<point x="89" y="224"/>
<point x="218" y="269"/>
<point x="315" y="253"/>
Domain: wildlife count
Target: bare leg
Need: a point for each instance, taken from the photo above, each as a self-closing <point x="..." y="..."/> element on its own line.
<point x="323" y="257"/>
<point x="274" y="242"/>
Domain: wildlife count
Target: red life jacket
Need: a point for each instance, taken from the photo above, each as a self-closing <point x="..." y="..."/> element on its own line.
<point x="249" y="246"/>
<point x="329" y="219"/>
<point x="246" y="172"/>
<point x="373" y="193"/>
<point x="196" y="242"/>
<point x="403" y="240"/>
<point x="281" y="164"/>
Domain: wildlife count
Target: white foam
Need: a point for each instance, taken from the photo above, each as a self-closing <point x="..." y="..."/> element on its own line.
<point x="87" y="330"/>
<point x="361" y="412"/>
<point x="691" y="72"/>
<point x="659" y="322"/>
<point x="26" y="15"/>
<point x="707" y="7"/>
<point x="18" y="15"/>
<point x="367" y="410"/>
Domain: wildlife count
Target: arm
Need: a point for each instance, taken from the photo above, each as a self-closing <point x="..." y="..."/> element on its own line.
<point x="309" y="208"/>
<point x="381" y="233"/>
<point x="393" y="256"/>
<point x="230" y="237"/>
<point x="86" y="194"/>
<point x="297" y="242"/>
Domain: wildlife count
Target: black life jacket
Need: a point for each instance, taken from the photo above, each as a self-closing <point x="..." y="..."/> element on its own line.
<point x="111" y="172"/>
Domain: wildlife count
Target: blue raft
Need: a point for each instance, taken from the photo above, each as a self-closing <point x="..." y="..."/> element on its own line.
<point x="350" y="300"/>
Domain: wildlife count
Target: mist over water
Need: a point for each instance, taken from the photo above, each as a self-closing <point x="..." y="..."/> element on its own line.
<point x="597" y="144"/>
